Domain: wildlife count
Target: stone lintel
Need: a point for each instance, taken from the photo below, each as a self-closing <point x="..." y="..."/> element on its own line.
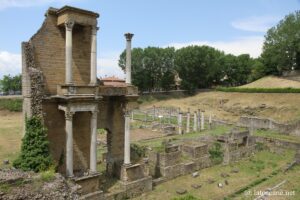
<point x="79" y="107"/>
<point x="80" y="16"/>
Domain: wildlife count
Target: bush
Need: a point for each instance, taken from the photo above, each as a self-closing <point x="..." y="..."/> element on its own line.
<point x="48" y="175"/>
<point x="14" y="105"/>
<point x="137" y="151"/>
<point x="35" y="153"/>
<point x="258" y="90"/>
<point x="216" y="153"/>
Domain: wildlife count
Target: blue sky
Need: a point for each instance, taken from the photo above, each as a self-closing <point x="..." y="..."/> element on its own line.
<point x="234" y="26"/>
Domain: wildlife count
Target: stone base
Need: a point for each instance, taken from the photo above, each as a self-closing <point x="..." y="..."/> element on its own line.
<point x="89" y="184"/>
<point x="131" y="172"/>
<point x="138" y="187"/>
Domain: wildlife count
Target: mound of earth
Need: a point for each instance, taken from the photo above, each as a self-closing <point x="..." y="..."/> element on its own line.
<point x="272" y="82"/>
<point x="17" y="185"/>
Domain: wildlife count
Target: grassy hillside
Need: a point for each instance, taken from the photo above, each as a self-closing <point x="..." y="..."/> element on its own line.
<point x="230" y="106"/>
<point x="272" y="82"/>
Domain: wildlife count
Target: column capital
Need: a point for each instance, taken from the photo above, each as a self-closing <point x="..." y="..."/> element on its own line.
<point x="94" y="30"/>
<point x="69" y="115"/>
<point x="69" y="24"/>
<point x="128" y="36"/>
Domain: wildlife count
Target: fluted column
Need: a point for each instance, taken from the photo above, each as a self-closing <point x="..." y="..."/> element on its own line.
<point x="180" y="123"/>
<point x="69" y="143"/>
<point x="93" y="147"/>
<point x="128" y="57"/>
<point x="93" y="80"/>
<point x="69" y="26"/>
<point x="127" y="139"/>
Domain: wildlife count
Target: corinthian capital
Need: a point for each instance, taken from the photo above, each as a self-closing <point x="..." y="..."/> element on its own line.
<point x="69" y="24"/>
<point x="69" y="115"/>
<point x="128" y="36"/>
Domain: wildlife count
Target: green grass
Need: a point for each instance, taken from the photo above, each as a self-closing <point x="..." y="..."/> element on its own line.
<point x="258" y="90"/>
<point x="276" y="135"/>
<point x="14" y="105"/>
<point x="48" y="175"/>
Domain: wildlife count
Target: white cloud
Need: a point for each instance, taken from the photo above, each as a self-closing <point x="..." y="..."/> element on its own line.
<point x="255" y="23"/>
<point x="28" y="3"/>
<point x="108" y="66"/>
<point x="251" y="45"/>
<point x="9" y="63"/>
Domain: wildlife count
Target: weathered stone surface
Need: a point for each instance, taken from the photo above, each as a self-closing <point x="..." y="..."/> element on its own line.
<point x="181" y="191"/>
<point x="196" y="186"/>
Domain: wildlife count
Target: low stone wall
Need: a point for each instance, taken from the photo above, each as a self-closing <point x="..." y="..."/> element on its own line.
<point x="275" y="143"/>
<point x="264" y="123"/>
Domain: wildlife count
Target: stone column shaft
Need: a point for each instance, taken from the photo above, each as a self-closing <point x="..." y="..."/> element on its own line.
<point x="180" y="123"/>
<point x="93" y="147"/>
<point x="69" y="144"/>
<point x="188" y="122"/>
<point x="202" y="120"/>
<point x="195" y="122"/>
<point x="128" y="57"/>
<point x="93" y="80"/>
<point x="127" y="140"/>
<point x="69" y="26"/>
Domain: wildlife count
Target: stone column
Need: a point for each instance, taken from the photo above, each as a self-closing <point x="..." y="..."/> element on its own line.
<point x="127" y="139"/>
<point x="93" y="80"/>
<point x="128" y="57"/>
<point x="198" y="120"/>
<point x="195" y="122"/>
<point x="210" y="121"/>
<point x="202" y="120"/>
<point x="180" y="123"/>
<point x="69" y="143"/>
<point x="93" y="147"/>
<point x="69" y="26"/>
<point x="188" y="121"/>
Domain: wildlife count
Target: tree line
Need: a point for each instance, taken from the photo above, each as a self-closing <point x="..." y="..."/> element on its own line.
<point x="154" y="68"/>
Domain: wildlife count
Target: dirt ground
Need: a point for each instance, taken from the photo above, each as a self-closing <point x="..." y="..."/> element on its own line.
<point x="230" y="106"/>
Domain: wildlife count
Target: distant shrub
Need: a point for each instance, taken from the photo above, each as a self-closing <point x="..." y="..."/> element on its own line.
<point x="48" y="175"/>
<point x="137" y="151"/>
<point x="216" y="153"/>
<point x="35" y="153"/>
<point x="14" y="105"/>
<point x="258" y="90"/>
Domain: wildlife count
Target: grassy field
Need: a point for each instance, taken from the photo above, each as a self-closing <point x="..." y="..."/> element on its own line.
<point x="257" y="167"/>
<point x="10" y="135"/>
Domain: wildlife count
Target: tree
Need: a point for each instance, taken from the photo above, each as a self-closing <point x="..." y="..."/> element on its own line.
<point x="197" y="66"/>
<point x="11" y="84"/>
<point x="281" y="49"/>
<point x="35" y="153"/>
<point x="151" y="67"/>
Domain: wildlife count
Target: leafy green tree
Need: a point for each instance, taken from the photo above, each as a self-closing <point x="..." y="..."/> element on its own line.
<point x="35" y="153"/>
<point x="194" y="65"/>
<point x="9" y="83"/>
<point x="281" y="50"/>
<point x="151" y="67"/>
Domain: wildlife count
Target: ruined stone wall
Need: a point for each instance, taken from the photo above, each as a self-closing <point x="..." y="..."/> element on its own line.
<point x="263" y="123"/>
<point x="111" y="117"/>
<point x="49" y="53"/>
<point x="32" y="83"/>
